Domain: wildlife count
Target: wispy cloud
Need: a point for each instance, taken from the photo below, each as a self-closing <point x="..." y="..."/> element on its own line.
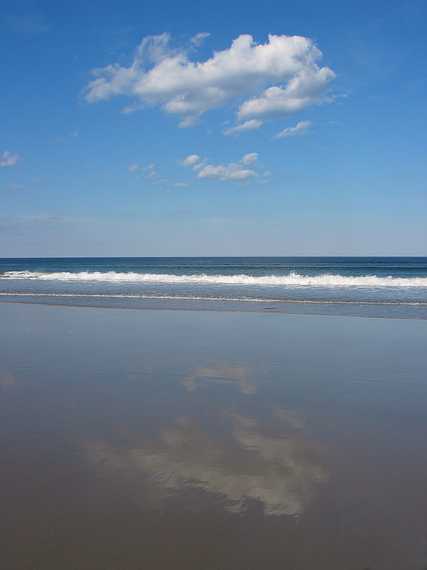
<point x="199" y="38"/>
<point x="299" y="129"/>
<point x="149" y="171"/>
<point x="251" y="125"/>
<point x="226" y="172"/>
<point x="231" y="172"/>
<point x="191" y="160"/>
<point x="249" y="158"/>
<point x="8" y="159"/>
<point x="279" y="76"/>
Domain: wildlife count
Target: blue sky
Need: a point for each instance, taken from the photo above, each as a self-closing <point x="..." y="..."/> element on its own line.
<point x="313" y="145"/>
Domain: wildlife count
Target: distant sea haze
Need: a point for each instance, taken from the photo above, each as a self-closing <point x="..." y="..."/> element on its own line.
<point x="371" y="280"/>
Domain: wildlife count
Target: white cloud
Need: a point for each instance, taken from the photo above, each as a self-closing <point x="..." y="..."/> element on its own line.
<point x="191" y="160"/>
<point x="149" y="171"/>
<point x="233" y="171"/>
<point x="306" y="88"/>
<point x="250" y="158"/>
<point x="226" y="172"/>
<point x="284" y="68"/>
<point x="8" y="159"/>
<point x="199" y="38"/>
<point x="188" y="121"/>
<point x="250" y="125"/>
<point x="299" y="129"/>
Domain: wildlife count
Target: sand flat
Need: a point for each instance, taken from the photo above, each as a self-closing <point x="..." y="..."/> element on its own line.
<point x="200" y="439"/>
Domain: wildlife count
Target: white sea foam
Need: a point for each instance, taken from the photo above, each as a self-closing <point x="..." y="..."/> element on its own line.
<point x="291" y="279"/>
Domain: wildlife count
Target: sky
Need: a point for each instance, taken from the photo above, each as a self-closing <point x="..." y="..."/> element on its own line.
<point x="168" y="128"/>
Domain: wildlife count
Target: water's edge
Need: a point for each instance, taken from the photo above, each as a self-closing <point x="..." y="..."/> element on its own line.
<point x="349" y="309"/>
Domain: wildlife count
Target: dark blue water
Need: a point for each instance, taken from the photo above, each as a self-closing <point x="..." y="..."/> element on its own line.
<point x="321" y="280"/>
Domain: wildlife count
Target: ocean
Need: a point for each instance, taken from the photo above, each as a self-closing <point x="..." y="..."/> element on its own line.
<point x="384" y="285"/>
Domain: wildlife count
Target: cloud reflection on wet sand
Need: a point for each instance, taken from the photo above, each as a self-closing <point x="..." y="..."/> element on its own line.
<point x="221" y="374"/>
<point x="281" y="472"/>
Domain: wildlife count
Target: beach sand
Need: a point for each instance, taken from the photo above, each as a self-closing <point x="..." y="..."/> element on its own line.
<point x="211" y="440"/>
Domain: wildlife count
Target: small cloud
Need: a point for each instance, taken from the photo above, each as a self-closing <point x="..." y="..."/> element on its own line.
<point x="250" y="125"/>
<point x="233" y="171"/>
<point x="226" y="172"/>
<point x="189" y="121"/>
<point x="8" y="159"/>
<point x="191" y="160"/>
<point x="149" y="171"/>
<point x="67" y="137"/>
<point x="129" y="109"/>
<point x="250" y="158"/>
<point x="199" y="38"/>
<point x="158" y="181"/>
<point x="299" y="129"/>
<point x="181" y="185"/>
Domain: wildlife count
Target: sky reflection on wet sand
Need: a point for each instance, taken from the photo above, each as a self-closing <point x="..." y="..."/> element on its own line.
<point x="211" y="440"/>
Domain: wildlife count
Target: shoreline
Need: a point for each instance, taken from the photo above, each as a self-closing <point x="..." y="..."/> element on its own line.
<point x="310" y="308"/>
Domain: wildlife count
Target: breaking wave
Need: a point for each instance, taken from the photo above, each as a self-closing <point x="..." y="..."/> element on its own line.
<point x="291" y="279"/>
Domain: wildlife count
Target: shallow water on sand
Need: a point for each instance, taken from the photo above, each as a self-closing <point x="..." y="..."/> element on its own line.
<point x="211" y="440"/>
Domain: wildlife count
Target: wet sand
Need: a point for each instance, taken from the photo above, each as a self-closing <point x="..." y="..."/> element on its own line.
<point x="211" y="440"/>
